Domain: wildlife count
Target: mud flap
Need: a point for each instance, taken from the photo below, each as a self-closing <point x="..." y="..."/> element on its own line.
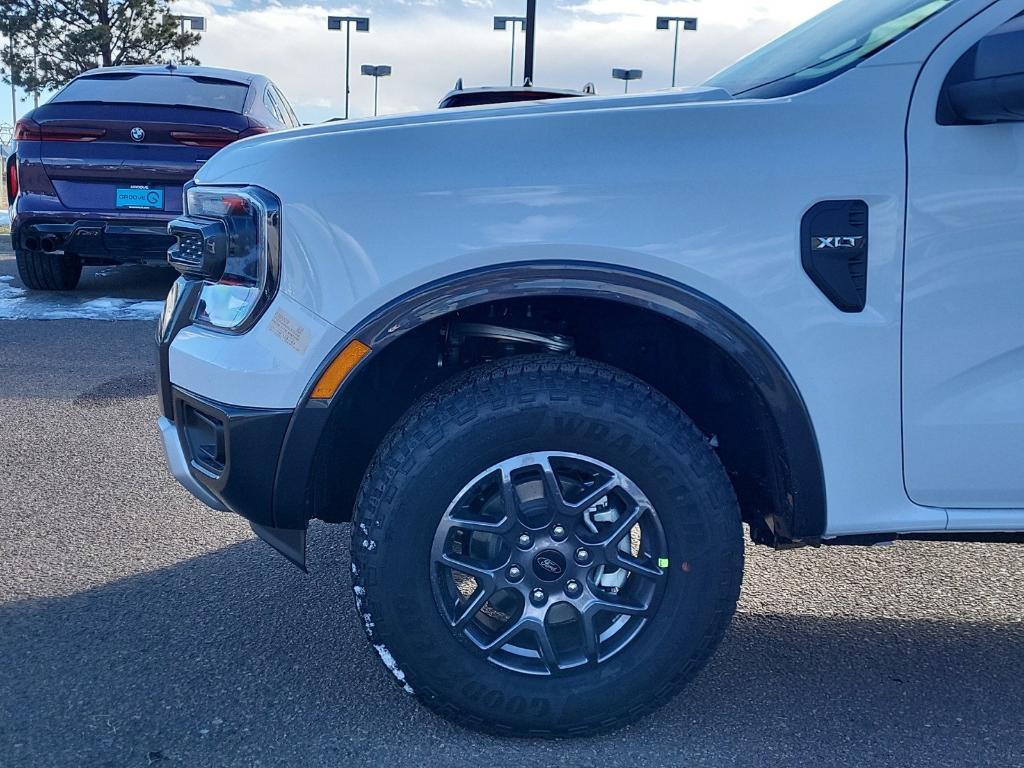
<point x="289" y="542"/>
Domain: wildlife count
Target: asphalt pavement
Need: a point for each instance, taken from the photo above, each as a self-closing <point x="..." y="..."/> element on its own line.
<point x="139" y="628"/>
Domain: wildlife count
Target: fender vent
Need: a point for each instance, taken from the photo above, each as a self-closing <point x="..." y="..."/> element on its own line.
<point x="834" y="251"/>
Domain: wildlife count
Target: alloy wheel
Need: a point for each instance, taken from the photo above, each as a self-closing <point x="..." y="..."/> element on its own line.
<point x="549" y="562"/>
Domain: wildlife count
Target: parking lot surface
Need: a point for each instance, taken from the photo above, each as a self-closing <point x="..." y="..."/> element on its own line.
<point x="138" y="628"/>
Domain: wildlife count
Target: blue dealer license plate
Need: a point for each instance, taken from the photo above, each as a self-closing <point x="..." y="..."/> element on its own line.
<point x="140" y="197"/>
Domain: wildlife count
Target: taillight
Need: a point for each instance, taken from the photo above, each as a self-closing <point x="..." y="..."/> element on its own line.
<point x="12" y="178"/>
<point x="208" y="140"/>
<point x="30" y="130"/>
<point x="65" y="133"/>
<point x="254" y="129"/>
<point x="217" y="140"/>
<point x="26" y="130"/>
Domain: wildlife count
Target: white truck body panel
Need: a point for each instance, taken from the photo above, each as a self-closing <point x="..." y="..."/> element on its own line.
<point x="688" y="185"/>
<point x="963" y="351"/>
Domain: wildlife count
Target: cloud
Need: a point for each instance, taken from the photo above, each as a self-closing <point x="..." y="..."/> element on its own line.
<point x="432" y="43"/>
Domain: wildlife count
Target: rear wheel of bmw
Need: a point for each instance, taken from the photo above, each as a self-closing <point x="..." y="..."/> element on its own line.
<point x="546" y="546"/>
<point x="48" y="271"/>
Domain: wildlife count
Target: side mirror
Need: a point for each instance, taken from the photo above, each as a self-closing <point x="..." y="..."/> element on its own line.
<point x="987" y="84"/>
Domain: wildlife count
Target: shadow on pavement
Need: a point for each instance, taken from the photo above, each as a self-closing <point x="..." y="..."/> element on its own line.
<point x="173" y="665"/>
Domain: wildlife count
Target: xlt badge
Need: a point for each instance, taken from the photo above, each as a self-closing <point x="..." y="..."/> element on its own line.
<point x="843" y="241"/>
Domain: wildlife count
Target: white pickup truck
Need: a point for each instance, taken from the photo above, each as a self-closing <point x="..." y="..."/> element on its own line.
<point x="549" y="358"/>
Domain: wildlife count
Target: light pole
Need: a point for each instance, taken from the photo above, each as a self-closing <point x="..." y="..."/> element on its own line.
<point x="501" y="24"/>
<point x="376" y="71"/>
<point x="689" y="24"/>
<point x="14" y="99"/>
<point x="627" y="75"/>
<point x="35" y="75"/>
<point x="362" y="25"/>
<point x="11" y="19"/>
<point x="531" y="41"/>
<point x="195" y="24"/>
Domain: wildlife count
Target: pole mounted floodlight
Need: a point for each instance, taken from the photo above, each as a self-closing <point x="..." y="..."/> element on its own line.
<point x="501" y="23"/>
<point x="689" y="25"/>
<point x="195" y="24"/>
<point x="335" y="23"/>
<point x="376" y="71"/>
<point x="627" y="75"/>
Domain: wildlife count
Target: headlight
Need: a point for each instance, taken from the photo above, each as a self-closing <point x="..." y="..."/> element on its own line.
<point x="229" y="238"/>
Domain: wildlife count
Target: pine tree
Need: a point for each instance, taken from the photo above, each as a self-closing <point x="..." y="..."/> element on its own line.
<point x="55" y="40"/>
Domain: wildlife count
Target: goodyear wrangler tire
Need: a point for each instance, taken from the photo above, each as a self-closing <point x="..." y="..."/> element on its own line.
<point x="545" y="546"/>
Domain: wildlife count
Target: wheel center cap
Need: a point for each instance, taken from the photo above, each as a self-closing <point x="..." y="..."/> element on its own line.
<point x="549" y="565"/>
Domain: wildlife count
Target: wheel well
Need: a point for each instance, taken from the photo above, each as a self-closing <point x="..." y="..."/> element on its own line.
<point x="705" y="381"/>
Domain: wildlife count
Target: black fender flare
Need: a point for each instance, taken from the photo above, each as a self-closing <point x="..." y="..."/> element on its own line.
<point x="799" y="460"/>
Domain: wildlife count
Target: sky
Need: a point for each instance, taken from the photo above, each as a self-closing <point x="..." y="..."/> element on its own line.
<point x="432" y="43"/>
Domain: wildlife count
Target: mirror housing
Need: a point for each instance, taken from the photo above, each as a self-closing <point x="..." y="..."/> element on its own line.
<point x="987" y="84"/>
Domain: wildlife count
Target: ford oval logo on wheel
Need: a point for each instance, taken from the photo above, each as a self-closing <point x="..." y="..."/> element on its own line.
<point x="549" y="565"/>
<point x="138" y="134"/>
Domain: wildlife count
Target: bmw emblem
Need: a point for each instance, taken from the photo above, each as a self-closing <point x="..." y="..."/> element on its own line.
<point x="138" y="134"/>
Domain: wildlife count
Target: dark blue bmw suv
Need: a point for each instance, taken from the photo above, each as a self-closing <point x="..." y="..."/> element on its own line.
<point x="98" y="171"/>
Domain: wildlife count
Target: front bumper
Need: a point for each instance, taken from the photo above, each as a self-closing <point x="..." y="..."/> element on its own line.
<point x="179" y="466"/>
<point x="227" y="456"/>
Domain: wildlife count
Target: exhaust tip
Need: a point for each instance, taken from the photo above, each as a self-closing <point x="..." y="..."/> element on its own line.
<point x="32" y="243"/>
<point x="49" y="244"/>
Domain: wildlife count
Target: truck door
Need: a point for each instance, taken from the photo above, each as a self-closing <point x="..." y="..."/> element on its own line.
<point x="963" y="325"/>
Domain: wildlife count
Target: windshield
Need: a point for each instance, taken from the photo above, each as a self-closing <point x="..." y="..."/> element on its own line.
<point x="824" y="47"/>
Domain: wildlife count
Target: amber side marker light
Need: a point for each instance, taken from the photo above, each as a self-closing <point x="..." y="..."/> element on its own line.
<point x="339" y="369"/>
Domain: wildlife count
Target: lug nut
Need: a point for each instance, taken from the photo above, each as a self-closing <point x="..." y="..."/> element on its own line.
<point x="515" y="573"/>
<point x="525" y="541"/>
<point x="582" y="556"/>
<point x="558" y="533"/>
<point x="572" y="587"/>
<point x="538" y="596"/>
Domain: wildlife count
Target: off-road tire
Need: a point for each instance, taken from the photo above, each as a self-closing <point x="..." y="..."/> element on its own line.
<point x="49" y="271"/>
<point x="544" y="403"/>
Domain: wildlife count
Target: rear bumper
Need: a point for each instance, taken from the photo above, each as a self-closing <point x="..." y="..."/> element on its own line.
<point x="92" y="236"/>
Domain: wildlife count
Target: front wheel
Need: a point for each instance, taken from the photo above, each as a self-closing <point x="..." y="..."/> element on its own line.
<point x="546" y="546"/>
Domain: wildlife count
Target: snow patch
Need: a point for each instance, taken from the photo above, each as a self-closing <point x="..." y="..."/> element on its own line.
<point x="18" y="304"/>
<point x="361" y="591"/>
<point x="369" y="544"/>
<point x="390" y="663"/>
